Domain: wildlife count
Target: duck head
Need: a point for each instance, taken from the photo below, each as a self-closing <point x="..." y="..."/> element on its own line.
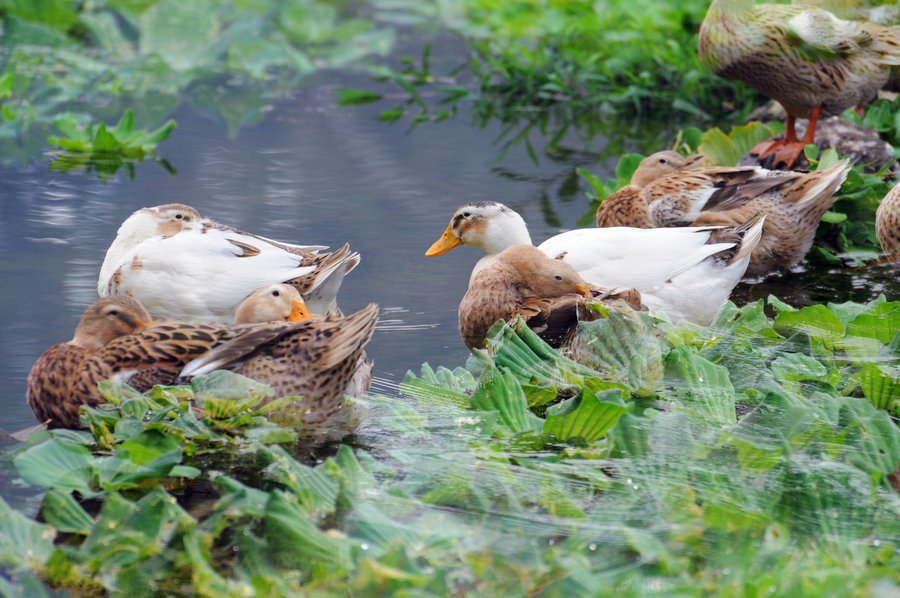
<point x="488" y="225"/>
<point x="528" y="268"/>
<point x="108" y="319"/>
<point x="662" y="164"/>
<point x="274" y="303"/>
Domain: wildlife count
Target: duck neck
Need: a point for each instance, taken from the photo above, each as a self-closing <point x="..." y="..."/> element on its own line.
<point x="139" y="227"/>
<point x="505" y="232"/>
<point x="502" y="234"/>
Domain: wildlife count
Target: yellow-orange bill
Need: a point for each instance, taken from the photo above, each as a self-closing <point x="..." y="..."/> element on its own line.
<point x="142" y="324"/>
<point x="299" y="312"/>
<point x="447" y="242"/>
<point x="584" y="289"/>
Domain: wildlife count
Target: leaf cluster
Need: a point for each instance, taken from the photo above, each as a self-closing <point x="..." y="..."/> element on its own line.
<point x="230" y="59"/>
<point x="652" y="458"/>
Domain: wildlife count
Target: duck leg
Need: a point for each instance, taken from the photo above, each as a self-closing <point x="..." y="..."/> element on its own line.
<point x="787" y="150"/>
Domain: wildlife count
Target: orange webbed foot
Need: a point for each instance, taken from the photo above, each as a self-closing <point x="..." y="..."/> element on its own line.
<point x="773" y="153"/>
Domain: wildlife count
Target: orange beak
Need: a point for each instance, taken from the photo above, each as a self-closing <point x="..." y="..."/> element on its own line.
<point x="139" y="324"/>
<point x="584" y="288"/>
<point x="447" y="242"/>
<point x="299" y="312"/>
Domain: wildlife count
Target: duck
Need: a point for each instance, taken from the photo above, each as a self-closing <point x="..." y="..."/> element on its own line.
<point x="522" y="281"/>
<point x="116" y="339"/>
<point x="283" y="303"/>
<point x="804" y="57"/>
<point x="160" y="253"/>
<point x="689" y="195"/>
<point x="887" y="224"/>
<point x="686" y="273"/>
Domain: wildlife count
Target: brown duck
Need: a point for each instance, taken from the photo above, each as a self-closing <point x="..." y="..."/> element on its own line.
<point x="887" y="224"/>
<point x="283" y="303"/>
<point x="522" y="281"/>
<point x="813" y="63"/>
<point x="677" y="193"/>
<point x="113" y="340"/>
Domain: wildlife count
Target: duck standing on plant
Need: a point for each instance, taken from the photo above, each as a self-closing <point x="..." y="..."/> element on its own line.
<point x="813" y="63"/>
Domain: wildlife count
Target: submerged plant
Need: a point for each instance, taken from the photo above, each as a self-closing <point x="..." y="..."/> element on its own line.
<point x="106" y="149"/>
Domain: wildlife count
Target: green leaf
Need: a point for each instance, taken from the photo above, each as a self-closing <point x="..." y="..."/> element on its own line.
<point x="24" y="544"/>
<point x="501" y="392"/>
<point x="701" y="386"/>
<point x="60" y="465"/>
<point x="881" y="385"/>
<point x="588" y="416"/>
<point x="628" y="163"/>
<point x="295" y="541"/>
<point x="357" y="97"/>
<point x="62" y="511"/>
<point x="815" y="321"/>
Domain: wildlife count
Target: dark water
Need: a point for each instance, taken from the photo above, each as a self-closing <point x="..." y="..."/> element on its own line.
<point x="309" y="173"/>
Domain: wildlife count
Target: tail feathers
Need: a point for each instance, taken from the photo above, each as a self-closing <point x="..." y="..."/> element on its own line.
<point x="751" y="233"/>
<point x="347" y="336"/>
<point x="816" y="190"/>
<point x="321" y="295"/>
<point x="742" y="239"/>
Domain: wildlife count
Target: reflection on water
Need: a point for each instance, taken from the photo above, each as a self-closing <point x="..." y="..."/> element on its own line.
<point x="310" y="173"/>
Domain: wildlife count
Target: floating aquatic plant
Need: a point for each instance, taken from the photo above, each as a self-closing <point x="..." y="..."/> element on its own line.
<point x="749" y="455"/>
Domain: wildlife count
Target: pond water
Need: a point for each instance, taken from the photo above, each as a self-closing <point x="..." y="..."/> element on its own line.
<point x="312" y="173"/>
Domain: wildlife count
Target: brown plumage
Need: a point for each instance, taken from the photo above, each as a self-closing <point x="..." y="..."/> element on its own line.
<point x="282" y="303"/>
<point x="887" y="224"/>
<point x="522" y="281"/>
<point x="312" y="359"/>
<point x="730" y="196"/>
<point x="813" y="63"/>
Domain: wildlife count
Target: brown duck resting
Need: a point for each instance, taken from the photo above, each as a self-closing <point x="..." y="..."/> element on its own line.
<point x="522" y="281"/>
<point x="887" y="224"/>
<point x="668" y="190"/>
<point x="115" y="339"/>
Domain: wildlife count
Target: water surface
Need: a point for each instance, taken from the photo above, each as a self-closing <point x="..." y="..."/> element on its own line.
<point x="311" y="173"/>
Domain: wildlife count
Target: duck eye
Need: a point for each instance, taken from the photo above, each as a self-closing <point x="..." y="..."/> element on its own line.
<point x="662" y="160"/>
<point x="276" y="293"/>
<point x="467" y="214"/>
<point x="558" y="277"/>
<point x="113" y="312"/>
<point x="178" y="216"/>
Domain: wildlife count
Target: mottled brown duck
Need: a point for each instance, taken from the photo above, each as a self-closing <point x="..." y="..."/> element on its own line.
<point x="548" y="294"/>
<point x="887" y="224"/>
<point x="793" y="203"/>
<point x="314" y="360"/>
<point x="807" y="59"/>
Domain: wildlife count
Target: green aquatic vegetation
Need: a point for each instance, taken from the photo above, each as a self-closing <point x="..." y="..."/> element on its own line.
<point x="623" y="58"/>
<point x="744" y="458"/>
<point x="106" y="149"/>
<point x="231" y="60"/>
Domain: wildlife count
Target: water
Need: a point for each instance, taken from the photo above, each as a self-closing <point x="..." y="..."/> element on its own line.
<point x="310" y="173"/>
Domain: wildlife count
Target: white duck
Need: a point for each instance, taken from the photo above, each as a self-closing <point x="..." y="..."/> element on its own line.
<point x="687" y="273"/>
<point x="184" y="268"/>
